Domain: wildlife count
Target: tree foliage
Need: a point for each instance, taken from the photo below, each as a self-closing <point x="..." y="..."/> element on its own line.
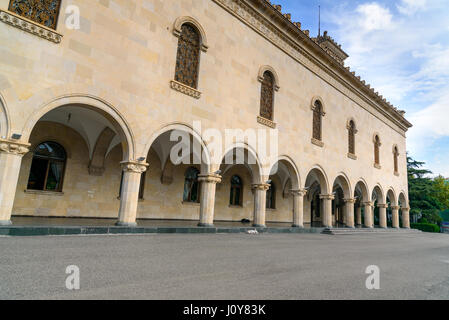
<point x="428" y="196"/>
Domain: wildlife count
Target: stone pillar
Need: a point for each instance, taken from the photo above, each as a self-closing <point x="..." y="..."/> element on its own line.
<point x="395" y="216"/>
<point x="11" y="154"/>
<point x="406" y="218"/>
<point x="349" y="213"/>
<point x="327" y="209"/>
<point x="298" y="208"/>
<point x="369" y="219"/>
<point x="359" y="215"/>
<point x="383" y="215"/>
<point x="129" y="197"/>
<point x="207" y="202"/>
<point x="260" y="204"/>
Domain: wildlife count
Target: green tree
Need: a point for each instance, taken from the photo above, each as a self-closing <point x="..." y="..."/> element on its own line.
<point x="428" y="196"/>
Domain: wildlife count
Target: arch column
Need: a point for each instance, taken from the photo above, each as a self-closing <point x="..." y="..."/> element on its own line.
<point x="298" y="207"/>
<point x="349" y="212"/>
<point x="395" y="216"/>
<point x="383" y="215"/>
<point x="358" y="214"/>
<point x="11" y="154"/>
<point x="260" y="203"/>
<point x="327" y="208"/>
<point x="369" y="221"/>
<point x="405" y="218"/>
<point x="207" y="202"/>
<point x="129" y="197"/>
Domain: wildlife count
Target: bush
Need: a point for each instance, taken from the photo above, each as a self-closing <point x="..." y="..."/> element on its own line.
<point x="426" y="227"/>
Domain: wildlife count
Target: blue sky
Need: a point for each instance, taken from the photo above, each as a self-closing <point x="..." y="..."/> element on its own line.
<point x="402" y="49"/>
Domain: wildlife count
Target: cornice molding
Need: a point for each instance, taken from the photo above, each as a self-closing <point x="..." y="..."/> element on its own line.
<point x="260" y="15"/>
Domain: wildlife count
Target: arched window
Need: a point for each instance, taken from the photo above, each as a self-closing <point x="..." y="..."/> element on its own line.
<point x="377" y="150"/>
<point x="317" y="120"/>
<point x="351" y="137"/>
<point x="188" y="56"/>
<point x="47" y="168"/>
<point x="236" y="191"/>
<point x="191" y="186"/>
<point x="44" y="12"/>
<point x="396" y="156"/>
<point x="271" y="197"/>
<point x="267" y="96"/>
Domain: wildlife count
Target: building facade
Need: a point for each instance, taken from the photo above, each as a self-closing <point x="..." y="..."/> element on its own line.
<point x="93" y="91"/>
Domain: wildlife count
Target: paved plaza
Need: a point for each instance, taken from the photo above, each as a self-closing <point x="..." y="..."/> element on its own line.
<point x="226" y="266"/>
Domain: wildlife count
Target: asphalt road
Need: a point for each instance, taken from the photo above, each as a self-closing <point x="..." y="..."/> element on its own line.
<point x="227" y="266"/>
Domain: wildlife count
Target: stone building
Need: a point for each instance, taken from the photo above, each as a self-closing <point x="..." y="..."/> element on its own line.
<point x="87" y="114"/>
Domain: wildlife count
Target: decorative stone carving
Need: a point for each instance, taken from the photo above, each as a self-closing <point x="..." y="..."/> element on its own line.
<point x="13" y="147"/>
<point x="209" y="178"/>
<point x="352" y="156"/>
<point x="327" y="197"/>
<point x="300" y="192"/>
<point x="350" y="200"/>
<point x="266" y="122"/>
<point x="30" y="26"/>
<point x="134" y="166"/>
<point x="261" y="187"/>
<point x="178" y="86"/>
<point x="318" y="143"/>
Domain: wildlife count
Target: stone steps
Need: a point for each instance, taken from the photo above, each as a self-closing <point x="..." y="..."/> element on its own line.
<point x="347" y="231"/>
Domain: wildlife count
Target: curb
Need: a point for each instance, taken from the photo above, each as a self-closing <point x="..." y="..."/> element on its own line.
<point x="59" y="231"/>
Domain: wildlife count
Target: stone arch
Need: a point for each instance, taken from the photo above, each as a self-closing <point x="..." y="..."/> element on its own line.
<point x="292" y="170"/>
<point x="378" y="193"/>
<point x="344" y="182"/>
<point x="252" y="162"/>
<point x="206" y="164"/>
<point x="362" y="186"/>
<point x="323" y="106"/>
<point x="391" y="194"/>
<point x="4" y="119"/>
<point x="93" y="103"/>
<point x="318" y="173"/>
<point x="403" y="202"/>
<point x="187" y="19"/>
<point x="270" y="69"/>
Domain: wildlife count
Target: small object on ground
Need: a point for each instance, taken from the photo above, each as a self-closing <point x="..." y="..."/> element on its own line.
<point x="252" y="232"/>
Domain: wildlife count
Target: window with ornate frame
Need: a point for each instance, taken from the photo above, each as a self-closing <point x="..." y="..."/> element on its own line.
<point x="236" y="196"/>
<point x="191" y="186"/>
<point x="377" y="145"/>
<point x="352" y="131"/>
<point x="188" y="56"/>
<point x="43" y="12"/>
<point x="271" y="197"/>
<point x="267" y="96"/>
<point x="47" y="167"/>
<point x="317" y="125"/>
<point x="396" y="160"/>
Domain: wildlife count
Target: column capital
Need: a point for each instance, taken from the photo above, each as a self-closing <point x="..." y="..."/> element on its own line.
<point x="350" y="200"/>
<point x="395" y="207"/>
<point x="134" y="166"/>
<point x="14" y="147"/>
<point x="382" y="205"/>
<point x="209" y="178"/>
<point x="405" y="209"/>
<point x="261" y="186"/>
<point x="299" y="192"/>
<point x="368" y="204"/>
<point x="327" y="197"/>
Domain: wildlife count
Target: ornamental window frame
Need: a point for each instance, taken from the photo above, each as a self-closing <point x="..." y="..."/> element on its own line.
<point x="263" y="118"/>
<point x="57" y="13"/>
<point x="351" y="125"/>
<point x="317" y="121"/>
<point x="377" y="144"/>
<point x="202" y="46"/>
<point x="396" y="155"/>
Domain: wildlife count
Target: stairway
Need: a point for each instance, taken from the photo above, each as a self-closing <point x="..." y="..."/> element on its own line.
<point x="348" y="231"/>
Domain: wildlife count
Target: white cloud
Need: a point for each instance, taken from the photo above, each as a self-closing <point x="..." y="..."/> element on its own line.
<point x="410" y="7"/>
<point x="374" y="17"/>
